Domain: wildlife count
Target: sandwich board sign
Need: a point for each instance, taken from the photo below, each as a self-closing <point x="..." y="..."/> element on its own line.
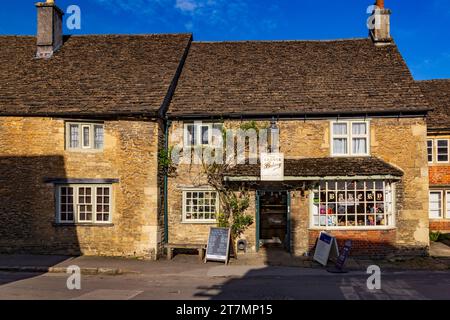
<point x="218" y="246"/>
<point x="326" y="248"/>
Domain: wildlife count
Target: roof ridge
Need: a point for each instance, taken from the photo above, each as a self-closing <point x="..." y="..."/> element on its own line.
<point x="280" y="41"/>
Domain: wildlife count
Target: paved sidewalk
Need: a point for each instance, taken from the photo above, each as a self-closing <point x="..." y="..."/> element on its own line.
<point x="190" y="265"/>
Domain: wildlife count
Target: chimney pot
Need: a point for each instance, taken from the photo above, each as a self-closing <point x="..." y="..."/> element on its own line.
<point x="380" y="4"/>
<point x="49" y="28"/>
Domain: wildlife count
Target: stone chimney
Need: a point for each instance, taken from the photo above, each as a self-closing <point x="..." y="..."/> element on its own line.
<point x="381" y="34"/>
<point x="49" y="28"/>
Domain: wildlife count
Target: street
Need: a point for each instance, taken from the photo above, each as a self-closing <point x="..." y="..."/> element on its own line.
<point x="229" y="282"/>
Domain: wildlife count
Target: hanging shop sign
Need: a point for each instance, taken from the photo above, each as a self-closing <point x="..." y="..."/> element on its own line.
<point x="272" y="166"/>
<point x="326" y="248"/>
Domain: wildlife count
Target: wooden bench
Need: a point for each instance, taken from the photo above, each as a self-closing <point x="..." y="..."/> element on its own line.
<point x="196" y="246"/>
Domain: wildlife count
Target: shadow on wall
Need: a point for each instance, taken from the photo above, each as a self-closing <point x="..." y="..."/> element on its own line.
<point x="27" y="207"/>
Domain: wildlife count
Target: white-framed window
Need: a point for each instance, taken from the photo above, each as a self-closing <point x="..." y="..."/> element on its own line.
<point x="84" y="136"/>
<point x="200" y="205"/>
<point x="447" y="204"/>
<point x="430" y="150"/>
<point x="352" y="204"/>
<point x="442" y="150"/>
<point x="350" y="138"/>
<point x="435" y="204"/>
<point x="84" y="203"/>
<point x="200" y="134"/>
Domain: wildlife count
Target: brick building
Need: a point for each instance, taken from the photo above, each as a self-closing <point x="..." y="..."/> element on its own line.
<point x="83" y="121"/>
<point x="438" y="94"/>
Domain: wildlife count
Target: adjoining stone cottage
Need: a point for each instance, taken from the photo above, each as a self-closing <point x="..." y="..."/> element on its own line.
<point x="80" y="131"/>
<point x="84" y="118"/>
<point x="352" y="128"/>
<point x="438" y="121"/>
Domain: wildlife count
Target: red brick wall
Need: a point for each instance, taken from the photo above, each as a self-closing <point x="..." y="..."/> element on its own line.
<point x="364" y="242"/>
<point x="439" y="175"/>
<point x="440" y="225"/>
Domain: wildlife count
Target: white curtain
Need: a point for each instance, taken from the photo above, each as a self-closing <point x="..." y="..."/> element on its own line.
<point x="359" y="128"/>
<point x="340" y="146"/>
<point x="359" y="146"/>
<point x="359" y="143"/>
<point x="340" y="143"/>
<point x="339" y="128"/>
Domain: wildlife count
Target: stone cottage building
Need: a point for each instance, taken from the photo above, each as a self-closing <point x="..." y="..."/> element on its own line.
<point x="438" y="94"/>
<point x="86" y="123"/>
<point x="352" y="128"/>
<point x="80" y="131"/>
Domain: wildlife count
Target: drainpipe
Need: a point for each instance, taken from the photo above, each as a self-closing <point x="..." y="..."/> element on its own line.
<point x="166" y="218"/>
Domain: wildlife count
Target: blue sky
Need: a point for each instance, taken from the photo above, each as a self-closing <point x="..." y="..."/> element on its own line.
<point x="421" y="29"/>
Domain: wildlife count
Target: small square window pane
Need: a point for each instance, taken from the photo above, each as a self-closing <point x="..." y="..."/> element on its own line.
<point x="359" y="145"/>
<point x="340" y="146"/>
<point x="339" y="128"/>
<point x="205" y="135"/>
<point x="74" y="136"/>
<point x="86" y="136"/>
<point x="359" y="128"/>
<point x="191" y="140"/>
<point x="98" y="136"/>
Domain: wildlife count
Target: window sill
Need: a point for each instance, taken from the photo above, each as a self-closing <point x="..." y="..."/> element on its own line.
<point x="359" y="228"/>
<point x="199" y="222"/>
<point x="81" y="224"/>
<point x="85" y="150"/>
<point x="349" y="155"/>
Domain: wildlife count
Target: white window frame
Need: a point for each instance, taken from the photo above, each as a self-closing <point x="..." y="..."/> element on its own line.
<point x="446" y="213"/>
<point x="437" y="150"/>
<point x="81" y="146"/>
<point x="432" y="150"/>
<point x="349" y="136"/>
<point x="198" y="133"/>
<point x="76" y="218"/>
<point x="441" y="192"/>
<point x="199" y="221"/>
<point x="392" y="214"/>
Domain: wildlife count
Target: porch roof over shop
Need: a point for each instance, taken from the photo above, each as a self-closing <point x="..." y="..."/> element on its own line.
<point x="319" y="168"/>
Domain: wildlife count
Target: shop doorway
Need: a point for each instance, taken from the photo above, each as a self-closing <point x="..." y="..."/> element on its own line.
<point x="273" y="229"/>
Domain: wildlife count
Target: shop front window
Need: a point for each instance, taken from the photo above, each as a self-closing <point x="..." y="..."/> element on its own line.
<point x="352" y="204"/>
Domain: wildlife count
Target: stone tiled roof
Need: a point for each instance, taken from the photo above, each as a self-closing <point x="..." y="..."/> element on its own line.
<point x="438" y="94"/>
<point x="294" y="77"/>
<point x="322" y="167"/>
<point x="92" y="75"/>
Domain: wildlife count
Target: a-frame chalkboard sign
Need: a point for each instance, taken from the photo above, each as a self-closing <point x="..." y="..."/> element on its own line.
<point x="218" y="247"/>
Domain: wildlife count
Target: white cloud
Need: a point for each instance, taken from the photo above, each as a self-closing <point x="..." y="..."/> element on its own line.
<point x="248" y="16"/>
<point x="186" y="5"/>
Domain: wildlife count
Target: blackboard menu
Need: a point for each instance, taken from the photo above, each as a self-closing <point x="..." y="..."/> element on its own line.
<point x="218" y="244"/>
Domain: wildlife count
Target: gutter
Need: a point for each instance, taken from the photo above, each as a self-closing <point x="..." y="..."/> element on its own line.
<point x="317" y="178"/>
<point x="308" y="116"/>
